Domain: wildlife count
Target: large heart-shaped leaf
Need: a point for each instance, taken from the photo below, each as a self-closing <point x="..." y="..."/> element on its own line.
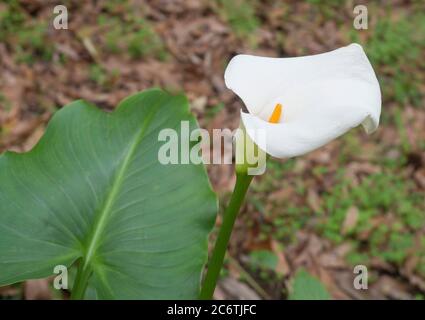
<point x="93" y="191"/>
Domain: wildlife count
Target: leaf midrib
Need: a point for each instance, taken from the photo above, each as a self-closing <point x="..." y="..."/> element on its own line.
<point x="103" y="215"/>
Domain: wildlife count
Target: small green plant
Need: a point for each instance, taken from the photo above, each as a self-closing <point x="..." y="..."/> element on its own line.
<point x="27" y="37"/>
<point x="146" y="42"/>
<point x="32" y="44"/>
<point x="263" y="259"/>
<point x="97" y="74"/>
<point x="328" y="9"/>
<point x="241" y="17"/>
<point x="307" y="287"/>
<point x="11" y="18"/>
<point x="137" y="36"/>
<point x="395" y="45"/>
<point x="377" y="194"/>
<point x="102" y="77"/>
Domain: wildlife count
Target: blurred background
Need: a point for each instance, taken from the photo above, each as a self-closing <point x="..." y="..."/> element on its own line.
<point x="308" y="221"/>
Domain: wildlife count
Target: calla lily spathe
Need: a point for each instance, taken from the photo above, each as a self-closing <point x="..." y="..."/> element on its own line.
<point x="321" y="97"/>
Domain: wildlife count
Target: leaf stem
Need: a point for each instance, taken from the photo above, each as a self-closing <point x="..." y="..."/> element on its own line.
<point x="81" y="281"/>
<point x="216" y="262"/>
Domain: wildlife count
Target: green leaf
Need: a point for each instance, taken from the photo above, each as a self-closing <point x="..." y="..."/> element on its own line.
<point x="264" y="259"/>
<point x="93" y="191"/>
<point x="307" y="287"/>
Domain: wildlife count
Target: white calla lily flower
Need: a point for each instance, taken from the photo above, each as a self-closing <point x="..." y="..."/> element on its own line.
<point x="303" y="103"/>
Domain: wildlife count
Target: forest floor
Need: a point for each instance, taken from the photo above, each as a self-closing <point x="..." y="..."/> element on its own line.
<point x="360" y="200"/>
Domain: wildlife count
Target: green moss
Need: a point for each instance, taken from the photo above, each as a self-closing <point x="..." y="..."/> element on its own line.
<point x="394" y="46"/>
<point x="378" y="194"/>
<point x="33" y="44"/>
<point x="11" y="18"/>
<point x="28" y="37"/>
<point x="101" y="76"/>
<point x="241" y="17"/>
<point x="145" y="42"/>
<point x="136" y="36"/>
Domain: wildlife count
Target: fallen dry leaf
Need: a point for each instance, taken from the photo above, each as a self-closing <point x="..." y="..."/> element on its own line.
<point x="237" y="290"/>
<point x="350" y="221"/>
<point x="282" y="267"/>
<point x="38" y="289"/>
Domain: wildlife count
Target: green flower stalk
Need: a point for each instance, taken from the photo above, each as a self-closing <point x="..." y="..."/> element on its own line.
<point x="245" y="150"/>
<point x="229" y="218"/>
